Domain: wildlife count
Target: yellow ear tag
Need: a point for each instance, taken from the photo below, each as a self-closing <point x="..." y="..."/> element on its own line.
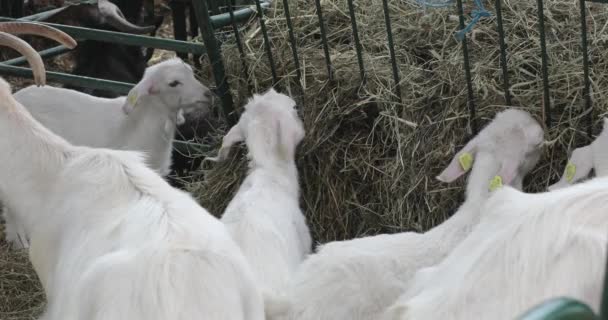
<point x="495" y="183"/>
<point x="570" y="171"/>
<point x="466" y="161"/>
<point x="132" y="98"/>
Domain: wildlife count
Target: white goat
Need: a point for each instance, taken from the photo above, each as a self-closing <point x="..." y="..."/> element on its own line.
<point x="146" y="123"/>
<point x="110" y="239"/>
<point x="358" y="279"/>
<point x="264" y="217"/>
<point x="527" y="249"/>
<point x="583" y="159"/>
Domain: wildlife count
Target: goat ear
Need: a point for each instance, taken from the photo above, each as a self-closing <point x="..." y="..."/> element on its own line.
<point x="508" y="170"/>
<point x="578" y="167"/>
<point x="288" y="138"/>
<point x="179" y="117"/>
<point x="233" y="136"/>
<point x="143" y="88"/>
<point x="461" y="163"/>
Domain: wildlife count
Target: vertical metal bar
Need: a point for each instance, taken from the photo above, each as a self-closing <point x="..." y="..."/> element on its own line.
<point x="292" y="41"/>
<point x="544" y="70"/>
<point x="467" y="71"/>
<point x="215" y="58"/>
<point x="391" y="48"/>
<point x="267" y="45"/>
<point x="178" y="13"/>
<point x="330" y="73"/>
<point x="194" y="34"/>
<point x="503" y="52"/>
<point x="358" y="48"/>
<point x="239" y="46"/>
<point x="586" y="88"/>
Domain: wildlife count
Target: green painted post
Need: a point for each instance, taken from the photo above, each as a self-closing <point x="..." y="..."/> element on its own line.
<point x="215" y="58"/>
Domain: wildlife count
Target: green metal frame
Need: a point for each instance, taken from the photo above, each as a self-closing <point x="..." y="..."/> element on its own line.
<point x="207" y="24"/>
<point x="11" y="67"/>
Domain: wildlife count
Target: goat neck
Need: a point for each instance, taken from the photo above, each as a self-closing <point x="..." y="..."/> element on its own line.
<point x="150" y="127"/>
<point x="455" y="228"/>
<point x="34" y="156"/>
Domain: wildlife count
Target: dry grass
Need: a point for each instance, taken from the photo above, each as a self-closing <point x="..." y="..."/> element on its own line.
<point x="367" y="164"/>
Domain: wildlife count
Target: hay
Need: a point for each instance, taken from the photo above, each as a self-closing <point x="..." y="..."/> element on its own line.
<point x="21" y="296"/>
<point x="367" y="164"/>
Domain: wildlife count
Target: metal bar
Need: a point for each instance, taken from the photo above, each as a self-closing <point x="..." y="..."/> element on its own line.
<point x="586" y="88"/>
<point x="94" y="83"/>
<point x="178" y="13"/>
<point x="467" y="71"/>
<point x="222" y="20"/>
<point x="215" y="58"/>
<point x="293" y="43"/>
<point x="194" y="34"/>
<point x="267" y="45"/>
<point x="48" y="53"/>
<point x="218" y="21"/>
<point x="126" y="38"/>
<point x="544" y="69"/>
<point x="503" y="53"/>
<point x="391" y="49"/>
<point x="358" y="47"/>
<point x="239" y="46"/>
<point x="44" y="15"/>
<point x="330" y="72"/>
<point x="598" y="1"/>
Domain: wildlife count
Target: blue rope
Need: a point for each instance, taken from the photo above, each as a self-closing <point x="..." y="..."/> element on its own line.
<point x="477" y="14"/>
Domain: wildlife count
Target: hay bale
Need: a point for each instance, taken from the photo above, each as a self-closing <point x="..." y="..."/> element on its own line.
<point x="367" y="164"/>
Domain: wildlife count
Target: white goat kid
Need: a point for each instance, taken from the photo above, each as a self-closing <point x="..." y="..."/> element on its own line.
<point x="110" y="239"/>
<point x="264" y="217"/>
<point x="145" y="121"/>
<point x="358" y="279"/>
<point x="583" y="159"/>
<point x="527" y="249"/>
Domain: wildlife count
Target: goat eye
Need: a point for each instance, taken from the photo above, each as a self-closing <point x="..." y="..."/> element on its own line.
<point x="174" y="83"/>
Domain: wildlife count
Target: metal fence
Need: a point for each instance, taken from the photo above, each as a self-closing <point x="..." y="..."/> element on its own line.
<point x="586" y="108"/>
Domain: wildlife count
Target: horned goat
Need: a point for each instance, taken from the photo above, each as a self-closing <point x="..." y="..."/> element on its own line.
<point x="144" y="121"/>
<point x="358" y="279"/>
<point x="110" y="239"/>
<point x="264" y="217"/>
<point x="527" y="249"/>
<point x="593" y="156"/>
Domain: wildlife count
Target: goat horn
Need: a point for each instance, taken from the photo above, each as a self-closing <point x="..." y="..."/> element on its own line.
<point x="33" y="58"/>
<point x="32" y="28"/>
<point x="116" y="19"/>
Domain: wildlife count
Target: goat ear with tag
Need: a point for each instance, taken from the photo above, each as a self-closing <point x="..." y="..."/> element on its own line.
<point x="140" y="90"/>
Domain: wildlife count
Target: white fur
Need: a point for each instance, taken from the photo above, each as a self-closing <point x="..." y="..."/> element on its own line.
<point x="593" y="156"/>
<point x="358" y="279"/>
<point x="110" y="239"/>
<point x="86" y="120"/>
<point x="527" y="249"/>
<point x="264" y="218"/>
